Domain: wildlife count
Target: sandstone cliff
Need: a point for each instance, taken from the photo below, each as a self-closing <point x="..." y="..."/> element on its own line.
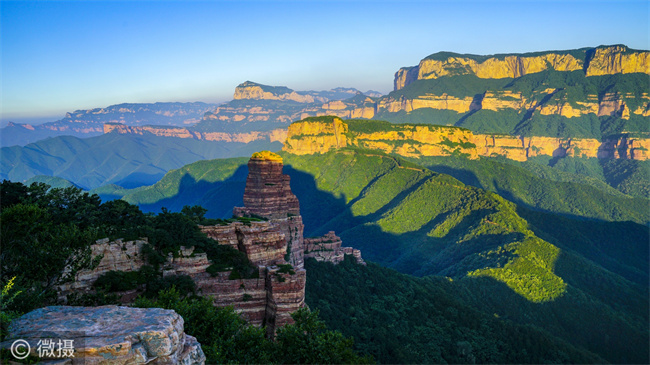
<point x="328" y="248"/>
<point x="319" y="135"/>
<point x="606" y="60"/>
<point x="251" y="90"/>
<point x="109" y="335"/>
<point x="268" y="195"/>
<point x="617" y="59"/>
<point x="274" y="245"/>
<point x="278" y="135"/>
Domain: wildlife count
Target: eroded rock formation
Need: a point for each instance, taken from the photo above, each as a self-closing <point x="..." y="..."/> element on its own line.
<point x="321" y="135"/>
<point x="268" y="195"/>
<point x="328" y="248"/>
<point x="109" y="335"/>
<point x="180" y="132"/>
<point x="607" y="60"/>
<point x="274" y="245"/>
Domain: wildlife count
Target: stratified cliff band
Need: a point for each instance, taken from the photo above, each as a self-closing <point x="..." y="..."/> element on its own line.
<point x="274" y="244"/>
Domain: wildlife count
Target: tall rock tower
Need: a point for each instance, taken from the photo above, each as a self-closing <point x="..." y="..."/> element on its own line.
<point x="268" y="195"/>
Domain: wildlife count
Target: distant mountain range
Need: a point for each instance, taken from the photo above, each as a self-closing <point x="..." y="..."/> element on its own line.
<point x="597" y="93"/>
<point x="88" y="123"/>
<point x="154" y="116"/>
<point x="125" y="160"/>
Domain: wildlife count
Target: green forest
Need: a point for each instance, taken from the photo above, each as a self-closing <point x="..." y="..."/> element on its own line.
<point x="55" y="228"/>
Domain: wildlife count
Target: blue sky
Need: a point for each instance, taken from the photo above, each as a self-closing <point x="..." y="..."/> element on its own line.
<point x="63" y="56"/>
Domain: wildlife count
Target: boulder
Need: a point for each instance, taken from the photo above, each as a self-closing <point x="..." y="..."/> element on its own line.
<point x="108" y="335"/>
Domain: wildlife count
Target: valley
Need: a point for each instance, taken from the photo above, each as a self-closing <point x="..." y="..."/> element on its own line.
<point x="490" y="209"/>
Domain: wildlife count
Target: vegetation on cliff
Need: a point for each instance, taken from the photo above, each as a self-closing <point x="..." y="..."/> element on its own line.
<point x="544" y="188"/>
<point x="226" y="338"/>
<point x="55" y="228"/>
<point x="534" y="92"/>
<point x="267" y="156"/>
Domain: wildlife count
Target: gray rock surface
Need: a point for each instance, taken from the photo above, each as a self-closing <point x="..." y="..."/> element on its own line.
<point x="110" y="335"/>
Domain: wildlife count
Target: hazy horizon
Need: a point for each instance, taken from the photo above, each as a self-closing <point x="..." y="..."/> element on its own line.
<point x="64" y="56"/>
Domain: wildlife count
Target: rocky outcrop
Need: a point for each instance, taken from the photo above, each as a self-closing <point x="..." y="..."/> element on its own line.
<point x="617" y="59"/>
<point x="274" y="245"/>
<point x="251" y="90"/>
<point x="315" y="135"/>
<point x="278" y="135"/>
<point x="609" y="104"/>
<point x="114" y="256"/>
<point x="328" y="248"/>
<point x="497" y="67"/>
<point x="263" y="243"/>
<point x="108" y="335"/>
<point x="268" y="191"/>
<point x="606" y="60"/>
<point x="268" y="195"/>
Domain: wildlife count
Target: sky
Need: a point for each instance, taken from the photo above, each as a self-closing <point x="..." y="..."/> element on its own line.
<point x="61" y="56"/>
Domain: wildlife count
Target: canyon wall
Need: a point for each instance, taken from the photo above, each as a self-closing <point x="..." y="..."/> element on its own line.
<point x="606" y="60"/>
<point x="278" y="135"/>
<point x="319" y="135"/>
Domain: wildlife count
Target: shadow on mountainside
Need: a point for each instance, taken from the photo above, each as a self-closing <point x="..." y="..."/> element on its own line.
<point x="137" y="179"/>
<point x="598" y="310"/>
<point x="217" y="197"/>
<point x="577" y="317"/>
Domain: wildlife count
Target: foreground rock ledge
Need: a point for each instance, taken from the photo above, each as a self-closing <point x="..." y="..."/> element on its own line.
<point x="110" y="335"/>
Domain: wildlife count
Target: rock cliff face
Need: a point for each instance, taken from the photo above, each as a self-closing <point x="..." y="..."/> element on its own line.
<point x="278" y="135"/>
<point x="546" y="102"/>
<point x="276" y="246"/>
<point x="268" y="195"/>
<point x="328" y="248"/>
<point x="110" y="335"/>
<point x="115" y="256"/>
<point x="617" y="59"/>
<point x="319" y="135"/>
<point x="87" y="123"/>
<point x="268" y="191"/>
<point x="607" y="60"/>
<point x="251" y="90"/>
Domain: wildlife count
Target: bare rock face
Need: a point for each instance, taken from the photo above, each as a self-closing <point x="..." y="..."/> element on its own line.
<point x="328" y="248"/>
<point x="110" y="335"/>
<point x="313" y="136"/>
<point x="115" y="256"/>
<point x="268" y="191"/>
<point x="285" y="295"/>
<point x="262" y="242"/>
<point x="276" y="246"/>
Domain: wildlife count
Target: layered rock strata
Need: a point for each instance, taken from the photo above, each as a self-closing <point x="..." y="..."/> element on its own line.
<point x="606" y="60"/>
<point x="268" y="191"/>
<point x="108" y="335"/>
<point x="275" y="246"/>
<point x="115" y="256"/>
<point x="278" y="135"/>
<point x="268" y="195"/>
<point x="328" y="248"/>
<point x="322" y="135"/>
